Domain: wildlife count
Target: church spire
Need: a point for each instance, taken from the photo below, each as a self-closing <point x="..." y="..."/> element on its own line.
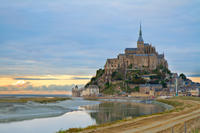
<point x="140" y="30"/>
<point x="140" y="39"/>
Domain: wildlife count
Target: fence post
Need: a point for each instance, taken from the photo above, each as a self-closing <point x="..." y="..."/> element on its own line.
<point x="185" y="127"/>
<point x="172" y="129"/>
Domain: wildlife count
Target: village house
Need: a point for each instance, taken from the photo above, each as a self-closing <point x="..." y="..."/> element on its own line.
<point x="91" y="90"/>
<point x="146" y="88"/>
<point x="195" y="92"/>
<point x="76" y="92"/>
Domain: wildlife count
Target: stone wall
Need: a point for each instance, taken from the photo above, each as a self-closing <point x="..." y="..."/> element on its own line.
<point x="144" y="56"/>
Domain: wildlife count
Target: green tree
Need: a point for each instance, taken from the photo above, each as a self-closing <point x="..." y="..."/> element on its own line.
<point x="94" y="80"/>
<point x="99" y="73"/>
<point x="164" y="84"/>
<point x="135" y="89"/>
<point x="116" y="76"/>
<point x="183" y="76"/>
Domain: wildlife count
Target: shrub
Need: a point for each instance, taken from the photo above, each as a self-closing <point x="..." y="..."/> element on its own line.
<point x="183" y="76"/>
<point x="116" y="76"/>
<point x="136" y="89"/>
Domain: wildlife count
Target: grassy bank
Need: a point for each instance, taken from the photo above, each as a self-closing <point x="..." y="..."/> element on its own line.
<point x="175" y="102"/>
<point x="75" y="130"/>
<point x="187" y="98"/>
<point x="169" y="102"/>
<point x="34" y="99"/>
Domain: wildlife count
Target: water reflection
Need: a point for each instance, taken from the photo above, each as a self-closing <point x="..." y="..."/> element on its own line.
<point x="94" y="113"/>
<point x="112" y="111"/>
<point x="74" y="119"/>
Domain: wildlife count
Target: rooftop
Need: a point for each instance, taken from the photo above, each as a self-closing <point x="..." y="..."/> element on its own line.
<point x="130" y="49"/>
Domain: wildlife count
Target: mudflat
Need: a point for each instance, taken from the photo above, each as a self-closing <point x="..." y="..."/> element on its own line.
<point x="33" y="99"/>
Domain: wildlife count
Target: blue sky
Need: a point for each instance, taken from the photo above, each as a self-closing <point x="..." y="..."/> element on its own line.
<point x="75" y="37"/>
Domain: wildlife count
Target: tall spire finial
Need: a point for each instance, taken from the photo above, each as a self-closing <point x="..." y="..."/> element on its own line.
<point x="140" y="29"/>
<point x="140" y="39"/>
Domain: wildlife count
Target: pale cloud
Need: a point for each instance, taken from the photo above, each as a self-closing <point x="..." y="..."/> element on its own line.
<point x="48" y="84"/>
<point x="20" y="87"/>
<point x="75" y="37"/>
<point x="43" y="80"/>
<point x="32" y="92"/>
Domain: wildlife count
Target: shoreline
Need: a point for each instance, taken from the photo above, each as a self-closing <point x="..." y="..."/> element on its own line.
<point x="117" y="97"/>
<point x="23" y="102"/>
<point x="37" y="109"/>
<point x="185" y="109"/>
<point x="42" y="100"/>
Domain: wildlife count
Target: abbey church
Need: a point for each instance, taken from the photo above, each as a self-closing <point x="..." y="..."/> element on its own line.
<point x="143" y="57"/>
<point x="140" y="71"/>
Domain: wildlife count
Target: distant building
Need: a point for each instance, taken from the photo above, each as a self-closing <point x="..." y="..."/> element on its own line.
<point x="76" y="92"/>
<point x="154" y="90"/>
<point x="144" y="56"/>
<point x="149" y="88"/>
<point x="146" y="77"/>
<point x="91" y="90"/>
<point x="195" y="92"/>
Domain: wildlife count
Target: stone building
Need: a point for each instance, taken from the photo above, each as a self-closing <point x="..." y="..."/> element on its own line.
<point x="147" y="88"/>
<point x="91" y="90"/>
<point x="195" y="92"/>
<point x="143" y="57"/>
<point x="76" y="92"/>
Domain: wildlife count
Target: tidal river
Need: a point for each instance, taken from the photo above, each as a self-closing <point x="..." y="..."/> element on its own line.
<point x="48" y="118"/>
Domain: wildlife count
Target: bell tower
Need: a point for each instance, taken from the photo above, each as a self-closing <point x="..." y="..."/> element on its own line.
<point x="140" y="42"/>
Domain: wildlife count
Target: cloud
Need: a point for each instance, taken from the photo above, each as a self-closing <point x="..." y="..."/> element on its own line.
<point x="194" y="75"/>
<point x="78" y="78"/>
<point x="50" y="83"/>
<point x="76" y="37"/>
<point x="36" y="79"/>
<point x="29" y="87"/>
<point x="73" y="78"/>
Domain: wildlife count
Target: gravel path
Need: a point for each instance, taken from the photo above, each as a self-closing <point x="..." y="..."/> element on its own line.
<point x="154" y="124"/>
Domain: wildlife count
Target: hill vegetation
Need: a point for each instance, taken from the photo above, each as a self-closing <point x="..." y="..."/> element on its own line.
<point x="128" y="81"/>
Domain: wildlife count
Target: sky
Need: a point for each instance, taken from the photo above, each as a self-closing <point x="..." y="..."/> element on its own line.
<point x="61" y="43"/>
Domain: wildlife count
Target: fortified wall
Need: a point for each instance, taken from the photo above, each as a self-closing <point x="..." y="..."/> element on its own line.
<point x="144" y="56"/>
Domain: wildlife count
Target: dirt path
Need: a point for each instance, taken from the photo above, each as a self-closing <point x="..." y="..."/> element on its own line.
<point x="153" y="124"/>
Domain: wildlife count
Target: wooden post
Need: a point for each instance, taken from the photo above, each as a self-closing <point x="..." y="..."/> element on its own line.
<point x="172" y="129"/>
<point x="185" y="127"/>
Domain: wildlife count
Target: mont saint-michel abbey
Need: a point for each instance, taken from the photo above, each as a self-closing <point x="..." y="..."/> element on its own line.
<point x="144" y="56"/>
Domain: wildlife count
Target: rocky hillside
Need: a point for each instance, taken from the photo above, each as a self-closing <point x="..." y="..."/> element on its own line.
<point x="129" y="81"/>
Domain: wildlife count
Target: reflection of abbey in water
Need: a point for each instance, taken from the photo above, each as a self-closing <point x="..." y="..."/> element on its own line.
<point x="144" y="56"/>
<point x="112" y="111"/>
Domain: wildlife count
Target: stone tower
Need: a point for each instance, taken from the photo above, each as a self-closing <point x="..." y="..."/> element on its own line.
<point x="144" y="57"/>
<point x="140" y="42"/>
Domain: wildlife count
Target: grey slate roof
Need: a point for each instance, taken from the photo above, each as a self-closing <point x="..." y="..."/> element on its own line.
<point x="141" y="54"/>
<point x="160" y="56"/>
<point x="131" y="49"/>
